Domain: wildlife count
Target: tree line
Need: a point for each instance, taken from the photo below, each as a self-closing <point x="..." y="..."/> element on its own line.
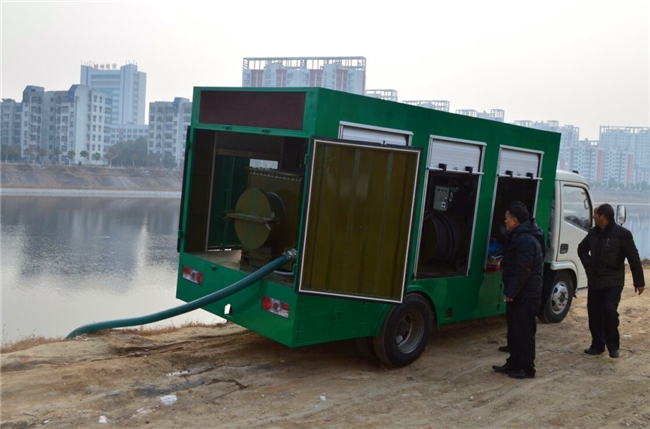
<point x="128" y="153"/>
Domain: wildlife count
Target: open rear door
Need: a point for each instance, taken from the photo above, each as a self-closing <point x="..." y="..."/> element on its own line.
<point x="358" y="220"/>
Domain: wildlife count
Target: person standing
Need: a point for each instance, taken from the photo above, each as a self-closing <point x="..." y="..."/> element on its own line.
<point x="522" y="279"/>
<point x="603" y="252"/>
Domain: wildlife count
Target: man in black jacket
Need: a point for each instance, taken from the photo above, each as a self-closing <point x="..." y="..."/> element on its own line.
<point x="522" y="280"/>
<point x="603" y="252"/>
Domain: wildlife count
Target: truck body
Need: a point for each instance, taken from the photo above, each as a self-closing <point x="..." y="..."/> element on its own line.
<point x="395" y="211"/>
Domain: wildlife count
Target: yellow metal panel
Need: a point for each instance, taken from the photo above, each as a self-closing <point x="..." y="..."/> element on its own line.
<point x="358" y="221"/>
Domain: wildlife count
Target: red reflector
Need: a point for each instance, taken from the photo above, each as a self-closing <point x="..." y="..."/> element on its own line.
<point x="193" y="275"/>
<point x="266" y="303"/>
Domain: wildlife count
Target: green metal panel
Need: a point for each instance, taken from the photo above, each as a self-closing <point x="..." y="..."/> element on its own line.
<point x="359" y="220"/>
<point x="229" y="181"/>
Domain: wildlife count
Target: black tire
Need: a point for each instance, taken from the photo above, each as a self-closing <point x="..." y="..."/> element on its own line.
<point x="405" y="333"/>
<point x="558" y="300"/>
<point x="366" y="347"/>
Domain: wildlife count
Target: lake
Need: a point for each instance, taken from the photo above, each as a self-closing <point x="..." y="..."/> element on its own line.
<point x="70" y="261"/>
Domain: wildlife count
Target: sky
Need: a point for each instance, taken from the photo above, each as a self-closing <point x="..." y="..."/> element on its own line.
<point x="582" y="63"/>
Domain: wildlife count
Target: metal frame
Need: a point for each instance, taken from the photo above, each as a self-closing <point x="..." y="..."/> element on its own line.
<point x="299" y="276"/>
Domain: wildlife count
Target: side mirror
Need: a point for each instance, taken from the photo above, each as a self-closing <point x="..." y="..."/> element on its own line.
<point x="621" y="214"/>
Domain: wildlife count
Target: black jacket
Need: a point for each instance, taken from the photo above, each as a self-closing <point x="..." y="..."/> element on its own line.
<point x="522" y="262"/>
<point x="603" y="253"/>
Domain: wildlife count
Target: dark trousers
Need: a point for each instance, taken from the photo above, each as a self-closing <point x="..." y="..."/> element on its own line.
<point x="602" y="308"/>
<point x="522" y="327"/>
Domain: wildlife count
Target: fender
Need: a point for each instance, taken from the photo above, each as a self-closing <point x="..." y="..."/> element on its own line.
<point x="410" y="289"/>
<point x="564" y="265"/>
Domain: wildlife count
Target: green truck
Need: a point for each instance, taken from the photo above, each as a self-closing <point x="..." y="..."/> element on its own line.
<point x="391" y="216"/>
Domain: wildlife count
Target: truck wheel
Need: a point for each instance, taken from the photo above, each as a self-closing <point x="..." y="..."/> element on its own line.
<point x="405" y="333"/>
<point x="559" y="299"/>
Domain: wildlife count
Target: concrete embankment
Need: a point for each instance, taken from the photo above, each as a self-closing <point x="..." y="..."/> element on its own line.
<point x="75" y="180"/>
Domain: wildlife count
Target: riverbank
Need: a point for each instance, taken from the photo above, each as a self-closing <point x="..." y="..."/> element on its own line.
<point x="225" y="376"/>
<point x="49" y="179"/>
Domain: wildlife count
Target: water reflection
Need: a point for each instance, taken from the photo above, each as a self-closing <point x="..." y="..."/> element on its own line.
<point x="68" y="261"/>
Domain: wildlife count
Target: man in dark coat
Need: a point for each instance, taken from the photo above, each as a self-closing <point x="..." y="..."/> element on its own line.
<point x="603" y="252"/>
<point x="522" y="280"/>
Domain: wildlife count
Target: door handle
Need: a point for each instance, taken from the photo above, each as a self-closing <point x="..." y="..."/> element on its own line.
<point x="564" y="248"/>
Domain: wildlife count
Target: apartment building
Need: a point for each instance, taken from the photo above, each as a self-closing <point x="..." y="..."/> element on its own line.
<point x="628" y="150"/>
<point x="57" y="125"/>
<point x="430" y="104"/>
<point x="493" y="115"/>
<point x="10" y="122"/>
<point x="168" y="123"/>
<point x="570" y="136"/>
<point x="346" y="74"/>
<point x="382" y="94"/>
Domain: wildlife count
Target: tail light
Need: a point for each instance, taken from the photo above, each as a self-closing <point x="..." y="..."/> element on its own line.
<point x="192" y="275"/>
<point x="275" y="306"/>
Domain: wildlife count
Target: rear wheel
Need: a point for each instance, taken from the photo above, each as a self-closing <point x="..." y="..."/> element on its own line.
<point x="405" y="333"/>
<point x="557" y="304"/>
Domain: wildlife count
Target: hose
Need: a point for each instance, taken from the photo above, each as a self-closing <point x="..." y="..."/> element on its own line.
<point x="192" y="305"/>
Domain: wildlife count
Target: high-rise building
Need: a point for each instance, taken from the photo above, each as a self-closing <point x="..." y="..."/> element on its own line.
<point x="57" y="125"/>
<point x="430" y="104"/>
<point x="346" y="74"/>
<point x="588" y="159"/>
<point x="570" y="136"/>
<point x="382" y="94"/>
<point x="126" y="87"/>
<point x="125" y="133"/>
<point x="634" y="140"/>
<point x="493" y="115"/>
<point x="10" y="122"/>
<point x="168" y="123"/>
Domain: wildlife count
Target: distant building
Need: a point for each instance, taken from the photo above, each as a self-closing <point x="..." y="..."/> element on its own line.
<point x="383" y="94"/>
<point x="168" y="123"/>
<point x="125" y="133"/>
<point x="78" y="124"/>
<point x="570" y="136"/>
<point x="430" y="104"/>
<point x="632" y="141"/>
<point x="493" y="115"/>
<point x="346" y="74"/>
<point x="57" y="125"/>
<point x="125" y="86"/>
<point x="588" y="159"/>
<point x="11" y="113"/>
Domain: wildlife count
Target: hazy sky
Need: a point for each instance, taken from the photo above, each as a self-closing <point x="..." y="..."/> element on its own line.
<point x="582" y="63"/>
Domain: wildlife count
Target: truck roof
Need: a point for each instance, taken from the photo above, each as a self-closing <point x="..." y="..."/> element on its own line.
<point x="570" y="177"/>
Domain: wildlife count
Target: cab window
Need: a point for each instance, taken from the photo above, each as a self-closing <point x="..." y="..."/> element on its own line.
<point x="576" y="208"/>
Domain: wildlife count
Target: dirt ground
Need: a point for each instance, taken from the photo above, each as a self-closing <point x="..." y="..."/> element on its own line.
<point x="227" y="377"/>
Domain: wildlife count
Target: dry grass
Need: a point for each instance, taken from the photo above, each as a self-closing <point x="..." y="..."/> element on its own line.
<point x="32" y="340"/>
<point x="24" y="343"/>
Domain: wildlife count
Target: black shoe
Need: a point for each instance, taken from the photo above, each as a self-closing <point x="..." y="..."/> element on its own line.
<point x="503" y="369"/>
<point x="592" y="351"/>
<point x="614" y="354"/>
<point x="520" y="374"/>
<point x="504" y="349"/>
